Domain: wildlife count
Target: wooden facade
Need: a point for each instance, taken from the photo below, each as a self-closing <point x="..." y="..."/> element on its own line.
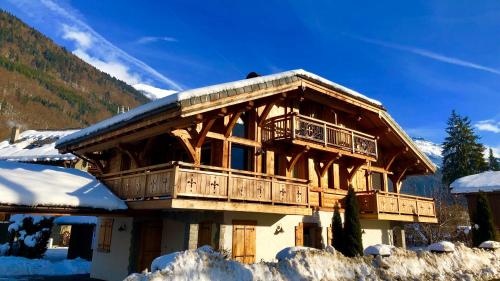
<point x="288" y="146"/>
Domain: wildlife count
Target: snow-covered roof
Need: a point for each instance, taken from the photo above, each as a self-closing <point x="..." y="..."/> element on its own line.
<point x="33" y="185"/>
<point x="35" y="145"/>
<point x="486" y="181"/>
<point x="75" y="220"/>
<point x="206" y="94"/>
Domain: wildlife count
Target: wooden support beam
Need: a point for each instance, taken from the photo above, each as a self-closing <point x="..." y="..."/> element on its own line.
<point x="185" y="139"/>
<point x="296" y="157"/>
<point x="130" y="153"/>
<point x="397" y="178"/>
<point x="263" y="116"/>
<point x="391" y="160"/>
<point x="97" y="163"/>
<point x="355" y="168"/>
<point x="232" y="122"/>
<point x="327" y="163"/>
<point x="204" y="131"/>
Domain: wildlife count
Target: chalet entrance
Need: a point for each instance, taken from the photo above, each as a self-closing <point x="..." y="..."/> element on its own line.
<point x="150" y="233"/>
<point x="244" y="241"/>
<point x="308" y="235"/>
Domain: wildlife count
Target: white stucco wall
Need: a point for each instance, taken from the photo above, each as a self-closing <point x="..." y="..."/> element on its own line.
<point x="113" y="265"/>
<point x="376" y="232"/>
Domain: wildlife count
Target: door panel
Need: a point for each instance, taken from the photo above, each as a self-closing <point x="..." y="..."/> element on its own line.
<point x="150" y="243"/>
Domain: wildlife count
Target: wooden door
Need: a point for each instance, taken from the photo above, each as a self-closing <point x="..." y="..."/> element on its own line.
<point x="244" y="241"/>
<point x="205" y="234"/>
<point x="150" y="243"/>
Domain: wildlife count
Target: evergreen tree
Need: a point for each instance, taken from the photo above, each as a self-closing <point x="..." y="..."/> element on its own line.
<point x="353" y="245"/>
<point x="483" y="218"/>
<point x="462" y="152"/>
<point x="337" y="231"/>
<point x="493" y="164"/>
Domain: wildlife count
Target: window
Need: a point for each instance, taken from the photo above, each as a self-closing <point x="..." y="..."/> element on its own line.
<point x="105" y="231"/>
<point x="240" y="129"/>
<point x="377" y="182"/>
<point x="241" y="157"/>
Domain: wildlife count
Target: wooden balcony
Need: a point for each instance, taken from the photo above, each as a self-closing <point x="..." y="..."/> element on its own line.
<point x="321" y="134"/>
<point x="177" y="184"/>
<point x="382" y="205"/>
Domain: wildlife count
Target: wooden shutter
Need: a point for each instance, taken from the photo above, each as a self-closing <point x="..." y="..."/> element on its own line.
<point x="105" y="232"/>
<point x="244" y="237"/>
<point x="299" y="235"/>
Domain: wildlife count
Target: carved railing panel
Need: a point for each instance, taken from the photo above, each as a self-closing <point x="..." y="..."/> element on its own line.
<point x="294" y="126"/>
<point x="396" y="203"/>
<point x="194" y="183"/>
<point x="159" y="183"/>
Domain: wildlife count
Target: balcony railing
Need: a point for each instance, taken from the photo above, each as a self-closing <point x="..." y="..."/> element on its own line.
<point x="184" y="180"/>
<point x="380" y="202"/>
<point x="295" y="126"/>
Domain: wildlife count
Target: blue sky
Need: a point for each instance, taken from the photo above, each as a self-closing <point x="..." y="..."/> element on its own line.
<point x="420" y="58"/>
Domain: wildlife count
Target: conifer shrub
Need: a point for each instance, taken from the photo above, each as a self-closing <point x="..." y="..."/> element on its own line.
<point x="484" y="227"/>
<point x="28" y="236"/>
<point x="353" y="244"/>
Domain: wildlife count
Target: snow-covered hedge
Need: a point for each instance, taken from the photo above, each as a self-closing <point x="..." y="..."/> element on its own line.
<point x="28" y="236"/>
<point x="303" y="264"/>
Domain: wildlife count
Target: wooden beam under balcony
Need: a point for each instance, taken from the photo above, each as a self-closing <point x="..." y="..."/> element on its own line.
<point x="193" y="204"/>
<point x="398" y="217"/>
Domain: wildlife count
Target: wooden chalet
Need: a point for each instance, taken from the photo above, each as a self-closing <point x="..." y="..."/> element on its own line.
<point x="233" y="164"/>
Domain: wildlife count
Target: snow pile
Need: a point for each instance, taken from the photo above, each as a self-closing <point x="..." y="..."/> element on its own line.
<point x="42" y="185"/>
<point x="443" y="246"/>
<point x="486" y="181"/>
<point x="306" y="264"/>
<point x="172" y="99"/>
<point x="378" y="250"/>
<point x="490" y="245"/>
<point x="75" y="220"/>
<point x="17" y="266"/>
<point x="153" y="93"/>
<point x="35" y="146"/>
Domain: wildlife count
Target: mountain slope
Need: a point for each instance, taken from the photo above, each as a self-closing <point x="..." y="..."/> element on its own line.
<point x="153" y="92"/>
<point x="44" y="86"/>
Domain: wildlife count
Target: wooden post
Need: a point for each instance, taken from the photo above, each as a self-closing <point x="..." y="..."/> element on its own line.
<point x="324" y="135"/>
<point x="352" y="142"/>
<point x="176" y="180"/>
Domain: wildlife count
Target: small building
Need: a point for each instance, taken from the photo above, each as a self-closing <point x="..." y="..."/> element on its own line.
<point x="249" y="167"/>
<point x="487" y="183"/>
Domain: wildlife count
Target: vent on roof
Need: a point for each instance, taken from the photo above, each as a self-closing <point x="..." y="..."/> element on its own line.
<point x="253" y="74"/>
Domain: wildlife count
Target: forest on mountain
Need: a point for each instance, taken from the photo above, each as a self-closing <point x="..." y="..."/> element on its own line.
<point x="43" y="86"/>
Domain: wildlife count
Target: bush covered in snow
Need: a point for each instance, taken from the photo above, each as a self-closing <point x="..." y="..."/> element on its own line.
<point x="305" y="264"/>
<point x="28" y="236"/>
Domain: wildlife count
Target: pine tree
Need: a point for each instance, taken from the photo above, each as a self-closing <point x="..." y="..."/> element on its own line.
<point x="483" y="218"/>
<point x="462" y="152"/>
<point x="337" y="231"/>
<point x="353" y="245"/>
<point x="493" y="164"/>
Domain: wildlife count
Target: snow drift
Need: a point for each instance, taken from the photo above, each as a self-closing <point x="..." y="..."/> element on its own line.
<point x="306" y="264"/>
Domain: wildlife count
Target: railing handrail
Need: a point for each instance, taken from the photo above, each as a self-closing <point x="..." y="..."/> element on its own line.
<point x="321" y="122"/>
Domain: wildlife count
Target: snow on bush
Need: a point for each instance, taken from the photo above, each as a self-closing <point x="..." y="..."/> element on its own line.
<point x="18" y="266"/>
<point x="28" y="235"/>
<point x="443" y="246"/>
<point x="306" y="264"/>
<point x="484" y="245"/>
<point x="4" y="249"/>
<point x="379" y="250"/>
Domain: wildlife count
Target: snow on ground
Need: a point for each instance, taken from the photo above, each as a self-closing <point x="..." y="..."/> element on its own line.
<point x="19" y="266"/>
<point x="167" y="101"/>
<point x="153" y="93"/>
<point x="75" y="220"/>
<point x="34" y="185"/>
<point x="486" y="181"/>
<point x="305" y="264"/>
<point x="443" y="246"/>
<point x="56" y="254"/>
<point x="490" y="245"/>
<point x="379" y="249"/>
<point x="35" y="146"/>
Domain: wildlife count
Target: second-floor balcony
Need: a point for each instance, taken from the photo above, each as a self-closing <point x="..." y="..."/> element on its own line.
<point x="298" y="127"/>
<point x="186" y="186"/>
